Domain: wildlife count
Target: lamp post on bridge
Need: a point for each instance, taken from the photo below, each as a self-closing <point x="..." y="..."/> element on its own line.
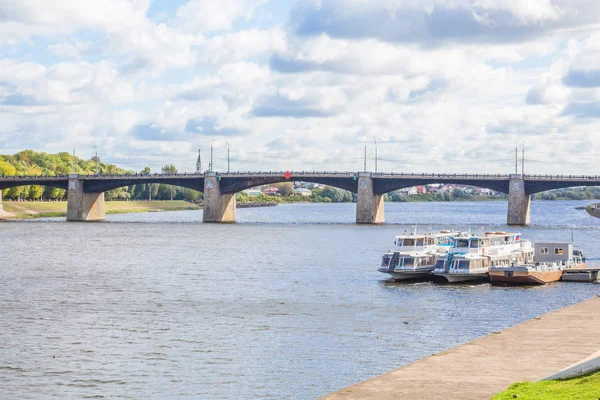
<point x="97" y="160"/>
<point x="375" y="141"/>
<point x="227" y="143"/>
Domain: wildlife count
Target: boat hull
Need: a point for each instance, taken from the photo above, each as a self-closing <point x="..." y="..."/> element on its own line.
<point x="463" y="277"/>
<point x="508" y="277"/>
<point x="405" y="275"/>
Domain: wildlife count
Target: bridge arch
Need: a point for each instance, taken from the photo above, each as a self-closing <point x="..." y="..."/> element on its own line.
<point x="535" y="186"/>
<point x="94" y="185"/>
<point x="231" y="185"/>
<point x="386" y="185"/>
<point x="60" y="183"/>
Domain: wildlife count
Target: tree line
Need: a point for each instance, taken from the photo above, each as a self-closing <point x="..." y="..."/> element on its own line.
<point x="31" y="163"/>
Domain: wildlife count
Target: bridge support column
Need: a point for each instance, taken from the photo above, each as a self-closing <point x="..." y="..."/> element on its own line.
<point x="83" y="206"/>
<point x="369" y="206"/>
<point x="217" y="207"/>
<point x="518" y="202"/>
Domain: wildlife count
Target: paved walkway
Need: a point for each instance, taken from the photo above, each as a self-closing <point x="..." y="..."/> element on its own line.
<point x="481" y="368"/>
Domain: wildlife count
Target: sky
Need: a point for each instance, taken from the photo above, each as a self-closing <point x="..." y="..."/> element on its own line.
<point x="436" y="86"/>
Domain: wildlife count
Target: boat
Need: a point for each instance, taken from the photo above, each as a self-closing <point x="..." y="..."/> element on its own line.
<point x="549" y="263"/>
<point x="415" y="254"/>
<point x="472" y="256"/>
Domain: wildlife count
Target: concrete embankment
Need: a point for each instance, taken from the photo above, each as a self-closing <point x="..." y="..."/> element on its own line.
<point x="479" y="369"/>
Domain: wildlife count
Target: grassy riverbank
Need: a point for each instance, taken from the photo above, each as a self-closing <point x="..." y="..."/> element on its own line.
<point x="583" y="388"/>
<point x="43" y="209"/>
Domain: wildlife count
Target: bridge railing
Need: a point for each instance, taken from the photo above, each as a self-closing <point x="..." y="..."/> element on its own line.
<point x="33" y="176"/>
<point x="292" y="173"/>
<point x="441" y="176"/>
<point x="563" y="177"/>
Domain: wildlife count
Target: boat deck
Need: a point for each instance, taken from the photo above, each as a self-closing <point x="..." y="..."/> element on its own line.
<point x="479" y="369"/>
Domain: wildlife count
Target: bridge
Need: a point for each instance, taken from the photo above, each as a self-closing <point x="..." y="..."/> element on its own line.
<point x="85" y="193"/>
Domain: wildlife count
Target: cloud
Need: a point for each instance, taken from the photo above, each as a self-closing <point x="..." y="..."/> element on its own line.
<point x="210" y="126"/>
<point x="582" y="110"/>
<point x="433" y="22"/>
<point x="212" y="16"/>
<point x="300" y="103"/>
<point x="582" y="78"/>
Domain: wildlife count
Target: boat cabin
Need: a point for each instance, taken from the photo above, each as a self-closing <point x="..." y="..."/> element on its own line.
<point x="490" y="242"/>
<point x="548" y="252"/>
<point x="424" y="242"/>
<point x="398" y="260"/>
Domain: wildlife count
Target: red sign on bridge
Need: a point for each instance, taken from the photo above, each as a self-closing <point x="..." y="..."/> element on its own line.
<point x="287" y="175"/>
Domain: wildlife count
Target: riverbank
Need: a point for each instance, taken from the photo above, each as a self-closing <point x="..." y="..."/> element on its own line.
<point x="47" y="209"/>
<point x="479" y="369"/>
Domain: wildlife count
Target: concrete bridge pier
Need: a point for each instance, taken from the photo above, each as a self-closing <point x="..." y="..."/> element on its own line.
<point x="83" y="206"/>
<point x="217" y="207"/>
<point x="369" y="206"/>
<point x="518" y="202"/>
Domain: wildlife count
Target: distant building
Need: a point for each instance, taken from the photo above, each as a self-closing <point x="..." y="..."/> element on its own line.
<point x="270" y="191"/>
<point x="420" y="189"/>
<point x="253" y="192"/>
<point x="303" y="192"/>
<point x="484" y="191"/>
<point x="408" y="191"/>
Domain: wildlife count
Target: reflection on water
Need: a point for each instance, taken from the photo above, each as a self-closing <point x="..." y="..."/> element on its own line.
<point x="286" y="304"/>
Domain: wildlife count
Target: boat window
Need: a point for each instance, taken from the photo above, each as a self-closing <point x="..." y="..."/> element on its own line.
<point x="385" y="261"/>
<point x="409" y="242"/>
<point x="409" y="261"/>
<point x="395" y="260"/>
<point x="462" y="243"/>
<point x="463" y="264"/>
<point x="559" y="251"/>
<point x="420" y="242"/>
<point x="474" y="243"/>
<point x="439" y="264"/>
<point x="543" y="250"/>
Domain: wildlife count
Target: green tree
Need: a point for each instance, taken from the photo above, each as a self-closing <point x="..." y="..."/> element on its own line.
<point x="285" y="188"/>
<point x="169" y="169"/>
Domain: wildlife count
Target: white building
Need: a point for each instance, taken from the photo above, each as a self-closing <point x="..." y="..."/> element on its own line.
<point x="303" y="192"/>
<point x="253" y="192"/>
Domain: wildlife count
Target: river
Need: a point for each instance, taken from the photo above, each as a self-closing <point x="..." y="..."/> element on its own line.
<point x="285" y="304"/>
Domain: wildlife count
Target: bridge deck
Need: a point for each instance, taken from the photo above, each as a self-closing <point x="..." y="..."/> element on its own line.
<point x="481" y="368"/>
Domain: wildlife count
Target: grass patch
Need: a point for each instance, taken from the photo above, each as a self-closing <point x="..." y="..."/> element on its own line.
<point x="586" y="387"/>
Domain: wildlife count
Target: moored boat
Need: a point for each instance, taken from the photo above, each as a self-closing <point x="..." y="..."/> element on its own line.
<point x="415" y="254"/>
<point x="472" y="256"/>
<point x="550" y="261"/>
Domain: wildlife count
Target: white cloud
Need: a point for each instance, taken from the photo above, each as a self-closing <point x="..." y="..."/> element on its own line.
<point x="202" y="16"/>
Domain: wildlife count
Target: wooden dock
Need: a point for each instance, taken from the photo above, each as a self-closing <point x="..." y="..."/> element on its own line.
<point x="479" y="369"/>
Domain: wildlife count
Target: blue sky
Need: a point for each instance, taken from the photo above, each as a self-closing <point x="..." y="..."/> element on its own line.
<point x="441" y="85"/>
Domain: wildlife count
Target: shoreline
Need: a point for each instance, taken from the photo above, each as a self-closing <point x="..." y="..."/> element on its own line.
<point x="482" y="368"/>
<point x="15" y="210"/>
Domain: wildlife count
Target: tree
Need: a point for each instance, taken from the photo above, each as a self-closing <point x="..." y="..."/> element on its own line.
<point x="6" y="169"/>
<point x="285" y="188"/>
<point x="169" y="169"/>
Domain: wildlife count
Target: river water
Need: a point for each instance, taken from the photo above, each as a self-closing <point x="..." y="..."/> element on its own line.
<point x="285" y="304"/>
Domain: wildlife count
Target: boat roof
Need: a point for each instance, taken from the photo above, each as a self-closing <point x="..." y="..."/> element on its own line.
<point x="429" y="234"/>
<point x="487" y="235"/>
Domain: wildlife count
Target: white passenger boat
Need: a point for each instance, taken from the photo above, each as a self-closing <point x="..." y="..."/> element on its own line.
<point x="415" y="254"/>
<point x="472" y="256"/>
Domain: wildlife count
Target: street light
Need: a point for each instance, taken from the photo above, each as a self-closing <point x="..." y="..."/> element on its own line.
<point x="375" y="141"/>
<point x="96" y="153"/>
<point x="227" y="143"/>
